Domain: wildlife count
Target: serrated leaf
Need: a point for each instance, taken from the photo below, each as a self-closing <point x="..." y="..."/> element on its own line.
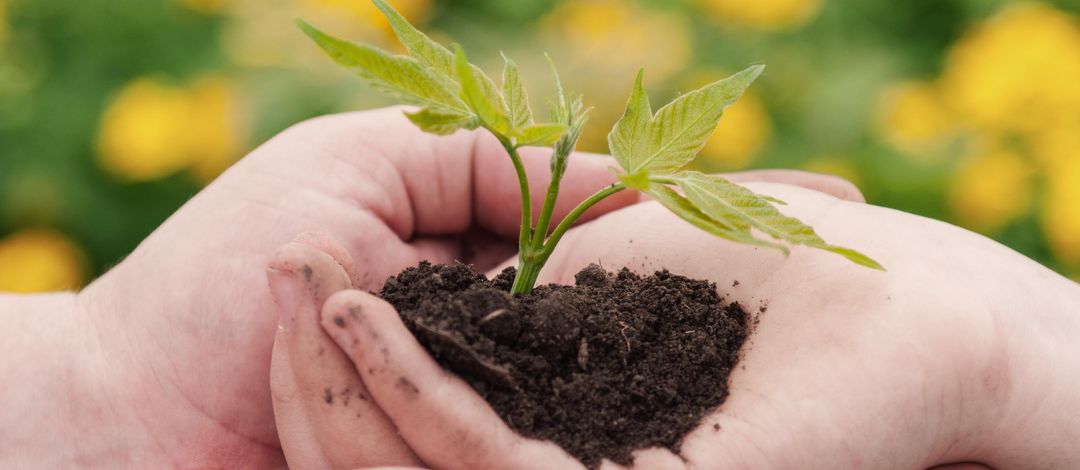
<point x="539" y="134"/>
<point x="434" y="55"/>
<point x="723" y="200"/>
<point x="686" y="210"/>
<point x="664" y="142"/>
<point x="517" y="99"/>
<point x="442" y="122"/>
<point x="399" y="75"/>
<point x="491" y="114"/>
<point x="423" y="48"/>
<point x="630" y="134"/>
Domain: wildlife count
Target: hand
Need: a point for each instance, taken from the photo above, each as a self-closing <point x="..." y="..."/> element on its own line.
<point x="963" y="352"/>
<point x="167" y="358"/>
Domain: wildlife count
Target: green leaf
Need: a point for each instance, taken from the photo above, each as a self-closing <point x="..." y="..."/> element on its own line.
<point x="517" y="100"/>
<point x="664" y="142"/>
<point x="685" y="209"/>
<point x="399" y="75"/>
<point x="420" y="46"/>
<point x="435" y="55"/>
<point x="723" y="200"/>
<point x="539" y="134"/>
<point x="491" y="114"/>
<point x="442" y="122"/>
<point x="630" y="134"/>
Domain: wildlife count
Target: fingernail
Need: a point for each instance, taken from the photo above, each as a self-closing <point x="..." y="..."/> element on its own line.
<point x="285" y="288"/>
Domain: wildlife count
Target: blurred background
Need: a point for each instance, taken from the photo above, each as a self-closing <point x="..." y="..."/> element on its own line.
<point x="114" y="112"/>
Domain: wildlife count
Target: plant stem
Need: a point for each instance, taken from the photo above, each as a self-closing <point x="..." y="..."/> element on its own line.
<point x="525" y="234"/>
<point x="558" y="168"/>
<point x="529" y="265"/>
<point x="572" y="217"/>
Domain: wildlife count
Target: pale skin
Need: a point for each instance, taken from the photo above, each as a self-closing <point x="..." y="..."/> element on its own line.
<point x="164" y="361"/>
<point x="962" y="355"/>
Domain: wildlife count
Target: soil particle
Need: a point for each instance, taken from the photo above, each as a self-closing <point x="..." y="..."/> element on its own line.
<point x="618" y="362"/>
<point x="339" y="321"/>
<point x="328" y="396"/>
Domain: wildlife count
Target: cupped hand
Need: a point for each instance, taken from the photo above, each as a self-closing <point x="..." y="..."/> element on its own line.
<point x="184" y="326"/>
<point x="963" y="352"/>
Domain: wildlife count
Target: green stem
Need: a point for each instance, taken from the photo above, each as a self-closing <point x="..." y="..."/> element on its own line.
<point x="525" y="234"/>
<point x="558" y="168"/>
<point x="530" y="264"/>
<point x="572" y="217"/>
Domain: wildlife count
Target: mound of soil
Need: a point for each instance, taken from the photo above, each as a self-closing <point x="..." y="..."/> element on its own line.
<point x="616" y="363"/>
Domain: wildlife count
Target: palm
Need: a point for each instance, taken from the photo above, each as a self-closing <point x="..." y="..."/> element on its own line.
<point x="848" y="367"/>
<point x="841" y="349"/>
<point x="195" y="295"/>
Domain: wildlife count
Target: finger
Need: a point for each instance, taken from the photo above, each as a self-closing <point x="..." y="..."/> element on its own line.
<point x="829" y="184"/>
<point x="443" y="420"/>
<point x="324" y="415"/>
<point x="423" y="184"/>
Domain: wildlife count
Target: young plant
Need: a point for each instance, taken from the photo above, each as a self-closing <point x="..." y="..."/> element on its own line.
<point x="652" y="148"/>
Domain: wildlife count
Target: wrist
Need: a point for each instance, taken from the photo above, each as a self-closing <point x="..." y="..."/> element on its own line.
<point x="56" y="410"/>
<point x="1039" y="427"/>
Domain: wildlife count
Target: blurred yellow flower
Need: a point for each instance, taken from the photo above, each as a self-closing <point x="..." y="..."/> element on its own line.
<point x="1056" y="145"/>
<point x="39" y="260"/>
<point x="990" y="190"/>
<point x="1061" y="210"/>
<point x="1016" y="72"/>
<point x="598" y="41"/>
<point x="913" y="119"/>
<point x="260" y="33"/>
<point x="363" y="14"/>
<point x="613" y="38"/>
<point x="763" y="14"/>
<point x="836" y="166"/>
<point x="152" y="130"/>
<point x="215" y="127"/>
<point x="742" y="133"/>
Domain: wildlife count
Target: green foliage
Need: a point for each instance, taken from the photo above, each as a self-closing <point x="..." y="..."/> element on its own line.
<point x="402" y="76"/>
<point x="721" y="199"/>
<point x="651" y="148"/>
<point x="662" y="143"/>
<point x="517" y="99"/>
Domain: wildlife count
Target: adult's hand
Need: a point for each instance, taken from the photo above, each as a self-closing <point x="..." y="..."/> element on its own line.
<point x="963" y="351"/>
<point x="165" y="360"/>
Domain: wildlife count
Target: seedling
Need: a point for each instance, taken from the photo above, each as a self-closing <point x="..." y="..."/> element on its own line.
<point x="651" y="148"/>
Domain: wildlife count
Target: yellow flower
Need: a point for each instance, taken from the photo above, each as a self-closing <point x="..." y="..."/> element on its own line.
<point x="742" y="133"/>
<point x="1061" y="211"/>
<point x="1056" y="145"/>
<point x="363" y="14"/>
<point x="215" y="128"/>
<point x="990" y="190"/>
<point x="1016" y="72"/>
<point x="142" y="132"/>
<point x="913" y="119"/>
<point x="613" y="38"/>
<point x="836" y="166"/>
<point x="39" y="260"/>
<point x="260" y="32"/>
<point x="153" y="130"/>
<point x="600" y="45"/>
<point x="763" y="14"/>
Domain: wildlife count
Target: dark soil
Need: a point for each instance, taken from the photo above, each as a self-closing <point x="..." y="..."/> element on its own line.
<point x="613" y="364"/>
